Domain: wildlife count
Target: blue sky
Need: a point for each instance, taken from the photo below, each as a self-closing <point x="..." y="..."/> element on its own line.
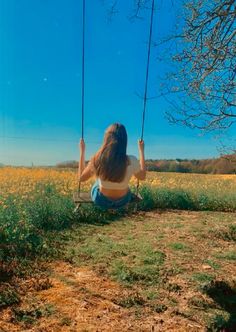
<point x="40" y="75"/>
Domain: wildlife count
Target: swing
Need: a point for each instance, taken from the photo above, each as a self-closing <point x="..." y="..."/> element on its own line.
<point x="82" y="197"/>
<point x="85" y="197"/>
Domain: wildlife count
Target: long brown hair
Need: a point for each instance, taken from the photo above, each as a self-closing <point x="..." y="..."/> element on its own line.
<point x="110" y="162"/>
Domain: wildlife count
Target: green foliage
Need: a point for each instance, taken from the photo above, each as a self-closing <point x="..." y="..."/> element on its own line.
<point x="213" y="264"/>
<point x="18" y="236"/>
<point x="230" y="255"/>
<point x="228" y="233"/>
<point x="178" y="246"/>
<point x="143" y="268"/>
<point x="8" y="296"/>
<point x="164" y="198"/>
<point x="202" y="277"/>
<point x="147" y="274"/>
<point x="66" y="321"/>
<point x="131" y="301"/>
<point x="224" y="294"/>
<point x="159" y="308"/>
<point x="218" y="322"/>
<point x="23" y="221"/>
<point x="198" y="302"/>
<point x="30" y="315"/>
<point x="48" y="209"/>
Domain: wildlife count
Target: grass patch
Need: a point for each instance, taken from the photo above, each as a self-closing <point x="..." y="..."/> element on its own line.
<point x="159" y="308"/>
<point x="143" y="268"/>
<point x="213" y="264"/>
<point x="178" y="246"/>
<point x="8" y="295"/>
<point x="230" y="256"/>
<point x="128" y="261"/>
<point x="131" y="301"/>
<point x="66" y="321"/>
<point x="198" y="302"/>
<point x="218" y="321"/>
<point x="145" y="274"/>
<point x="150" y="295"/>
<point x="30" y="315"/>
<point x="202" y="277"/>
<point x="227" y="233"/>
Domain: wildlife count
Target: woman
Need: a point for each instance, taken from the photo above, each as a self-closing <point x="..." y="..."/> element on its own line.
<point x="113" y="169"/>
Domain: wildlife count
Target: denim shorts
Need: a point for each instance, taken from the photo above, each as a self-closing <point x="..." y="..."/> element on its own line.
<point x="107" y="203"/>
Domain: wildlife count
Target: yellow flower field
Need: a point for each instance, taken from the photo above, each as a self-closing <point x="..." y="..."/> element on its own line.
<point x="22" y="181"/>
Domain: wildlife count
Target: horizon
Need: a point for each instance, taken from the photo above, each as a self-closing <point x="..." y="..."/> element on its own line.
<point x="87" y="160"/>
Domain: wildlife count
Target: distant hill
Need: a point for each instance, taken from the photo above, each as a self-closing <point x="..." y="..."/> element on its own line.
<point x="223" y="165"/>
<point x="1" y="165"/>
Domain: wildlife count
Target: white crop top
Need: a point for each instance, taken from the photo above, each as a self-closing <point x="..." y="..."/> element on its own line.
<point x="132" y="168"/>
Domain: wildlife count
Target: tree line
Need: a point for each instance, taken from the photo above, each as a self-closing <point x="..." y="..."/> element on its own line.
<point x="223" y="165"/>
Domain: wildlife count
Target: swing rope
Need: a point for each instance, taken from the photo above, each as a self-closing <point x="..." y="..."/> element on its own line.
<point x="83" y="73"/>
<point x="147" y="69"/>
<point x="146" y="80"/>
<point x="82" y="82"/>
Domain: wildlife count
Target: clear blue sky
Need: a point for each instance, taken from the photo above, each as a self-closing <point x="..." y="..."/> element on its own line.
<point x="40" y="75"/>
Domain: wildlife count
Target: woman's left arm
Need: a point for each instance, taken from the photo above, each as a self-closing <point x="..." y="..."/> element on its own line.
<point x="82" y="158"/>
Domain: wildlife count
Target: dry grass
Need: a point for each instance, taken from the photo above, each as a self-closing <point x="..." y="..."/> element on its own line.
<point x="155" y="271"/>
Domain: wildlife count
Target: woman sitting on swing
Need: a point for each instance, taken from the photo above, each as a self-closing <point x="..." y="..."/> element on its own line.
<point x="113" y="169"/>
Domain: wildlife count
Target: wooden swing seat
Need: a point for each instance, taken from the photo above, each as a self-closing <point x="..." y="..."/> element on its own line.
<point x="84" y="197"/>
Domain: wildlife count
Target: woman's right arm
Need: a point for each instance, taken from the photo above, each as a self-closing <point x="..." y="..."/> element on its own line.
<point x="141" y="175"/>
<point x="87" y="173"/>
<point x="84" y="172"/>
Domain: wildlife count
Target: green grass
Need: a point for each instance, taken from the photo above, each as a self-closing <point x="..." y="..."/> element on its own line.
<point x="217" y="321"/>
<point x="224" y="296"/>
<point x="230" y="256"/>
<point x="131" y="301"/>
<point x="132" y="260"/>
<point x="8" y="296"/>
<point x="165" y="198"/>
<point x="146" y="274"/>
<point x="213" y="264"/>
<point x="178" y="246"/>
<point x="30" y="315"/>
<point x="149" y="256"/>
<point x="202" y="277"/>
<point x="226" y="233"/>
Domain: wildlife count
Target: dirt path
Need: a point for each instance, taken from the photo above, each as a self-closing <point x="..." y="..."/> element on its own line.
<point x="85" y="302"/>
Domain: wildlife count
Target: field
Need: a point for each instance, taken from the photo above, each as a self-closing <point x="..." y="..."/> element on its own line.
<point x="168" y="267"/>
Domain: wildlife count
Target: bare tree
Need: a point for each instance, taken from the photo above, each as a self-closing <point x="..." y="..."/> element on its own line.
<point x="137" y="8"/>
<point x="205" y="66"/>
